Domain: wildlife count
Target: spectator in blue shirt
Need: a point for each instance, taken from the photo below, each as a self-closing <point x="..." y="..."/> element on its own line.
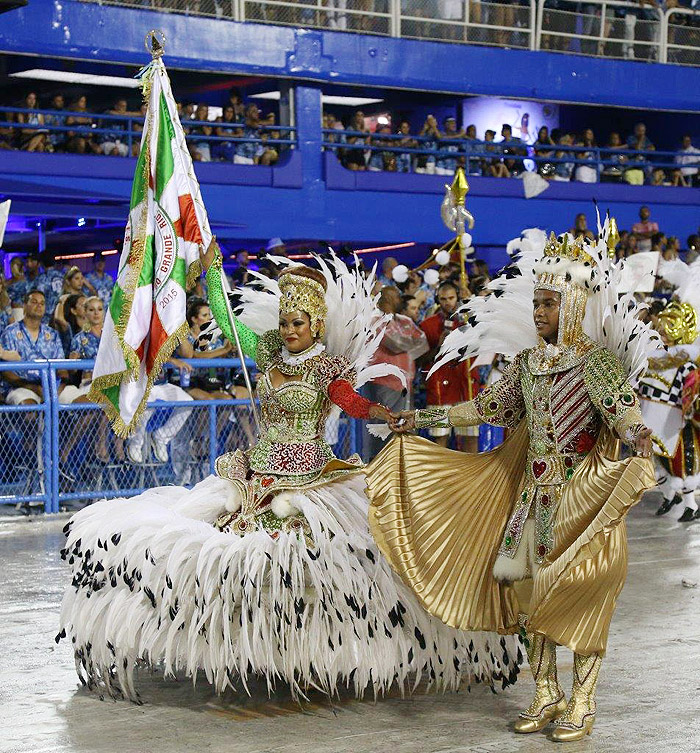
<point x="224" y="150"/>
<point x="98" y="282"/>
<point x="246" y="151"/>
<point x="17" y="284"/>
<point x="56" y="139"/>
<point x="50" y="283"/>
<point x="6" y="315"/>
<point x="115" y="141"/>
<point x="449" y="142"/>
<point x="34" y="341"/>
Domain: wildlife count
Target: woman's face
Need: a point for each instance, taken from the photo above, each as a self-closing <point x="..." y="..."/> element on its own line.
<point x="543" y="134"/>
<point x="295" y="330"/>
<point x="76" y="281"/>
<point x="81" y="102"/>
<point x="202" y="317"/>
<point x="95" y="312"/>
<point x="17" y="268"/>
<point x="471" y="132"/>
<point x="31" y="99"/>
<point x="79" y="309"/>
<point x="588" y="135"/>
<point x="228" y="113"/>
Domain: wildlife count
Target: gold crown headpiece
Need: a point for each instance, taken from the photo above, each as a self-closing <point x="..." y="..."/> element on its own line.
<point x="573" y="249"/>
<point x="566" y="261"/>
<point x="304" y="289"/>
<point x="680" y="323"/>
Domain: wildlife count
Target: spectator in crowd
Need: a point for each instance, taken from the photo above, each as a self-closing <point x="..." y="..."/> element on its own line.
<point x="563" y="170"/>
<point x="658" y="178"/>
<point x="56" y="140"/>
<point x="17" y="284"/>
<point x="479" y="268"/>
<point x="493" y="167"/>
<point x="580" y="228"/>
<point x="199" y="133"/>
<point x="388" y="265"/>
<point x="7" y="316"/>
<point x="449" y="143"/>
<point x="510" y="147"/>
<point x="236" y="102"/>
<point x="614" y="160"/>
<point x="688" y="158"/>
<point x="404" y="159"/>
<point x="430" y="135"/>
<point x="587" y="173"/>
<point x="241" y="274"/>
<point x="84" y="346"/>
<point x="74" y="282"/>
<point x="672" y="249"/>
<point x="644" y="230"/>
<point x="137" y="129"/>
<point x="50" y="283"/>
<point x="246" y="150"/>
<point x="269" y="152"/>
<point x="98" y="282"/>
<point x="635" y="173"/>
<point x="225" y="150"/>
<point x="454" y="382"/>
<point x="31" y="139"/>
<point x="375" y="163"/>
<point x="403" y="342"/>
<point x="473" y="164"/>
<point x="544" y="148"/>
<point x="114" y="142"/>
<point x="33" y="341"/>
<point x="693" y="248"/>
<point x="81" y="140"/>
<point x="276" y="247"/>
<point x="33" y="269"/>
<point x="410" y="307"/>
<point x="354" y="158"/>
<point x="69" y="317"/>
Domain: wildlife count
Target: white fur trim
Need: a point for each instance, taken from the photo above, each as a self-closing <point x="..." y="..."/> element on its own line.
<point x="286" y="504"/>
<point x="205" y="501"/>
<point x="579" y="273"/>
<point x="516" y="568"/>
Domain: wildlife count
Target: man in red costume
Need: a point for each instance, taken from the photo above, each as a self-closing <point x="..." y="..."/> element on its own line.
<point x="456" y="381"/>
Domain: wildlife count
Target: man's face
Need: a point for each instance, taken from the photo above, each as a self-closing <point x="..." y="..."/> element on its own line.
<point x="545" y="312"/>
<point x="581" y="223"/>
<point x="686" y="142"/>
<point x="450" y="125"/>
<point x="58" y="102"/>
<point x="100" y="266"/>
<point x="412" y="309"/>
<point x="120" y="105"/>
<point x="644" y="214"/>
<point x="34" y="306"/>
<point x="242" y="258"/>
<point x="32" y="264"/>
<point x="505" y="132"/>
<point x="640" y="130"/>
<point x="447" y="299"/>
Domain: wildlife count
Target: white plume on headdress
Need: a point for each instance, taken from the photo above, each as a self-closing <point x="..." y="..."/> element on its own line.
<point x="502" y="321"/>
<point x="354" y="324"/>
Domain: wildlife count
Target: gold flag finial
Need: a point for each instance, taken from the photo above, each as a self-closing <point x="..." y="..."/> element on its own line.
<point x="155" y="43"/>
<point x="460" y="187"/>
<point x="613" y="237"/>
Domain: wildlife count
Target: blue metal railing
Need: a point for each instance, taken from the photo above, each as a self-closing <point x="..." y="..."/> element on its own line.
<point x="130" y="128"/>
<point x="116" y="477"/>
<point x="473" y="151"/>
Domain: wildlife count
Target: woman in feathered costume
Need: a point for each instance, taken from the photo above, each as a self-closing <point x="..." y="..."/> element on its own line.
<point x="544" y="512"/>
<point x="268" y="568"/>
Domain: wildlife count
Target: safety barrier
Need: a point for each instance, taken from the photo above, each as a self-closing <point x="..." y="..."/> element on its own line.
<point x="127" y="130"/>
<point x="67" y="452"/>
<point x="601" y="28"/>
<point x="442" y="156"/>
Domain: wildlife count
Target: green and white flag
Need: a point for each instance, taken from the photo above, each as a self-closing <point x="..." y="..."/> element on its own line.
<point x="159" y="260"/>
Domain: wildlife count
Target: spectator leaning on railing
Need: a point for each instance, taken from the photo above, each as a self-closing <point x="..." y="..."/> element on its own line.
<point x="82" y="140"/>
<point x="688" y="158"/>
<point x="638" y="163"/>
<point x="33" y="341"/>
<point x="31" y="139"/>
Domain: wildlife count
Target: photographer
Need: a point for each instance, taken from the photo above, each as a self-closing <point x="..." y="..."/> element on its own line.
<point x="456" y="381"/>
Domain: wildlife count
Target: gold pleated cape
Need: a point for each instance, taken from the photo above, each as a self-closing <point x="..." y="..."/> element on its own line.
<point x="438" y="516"/>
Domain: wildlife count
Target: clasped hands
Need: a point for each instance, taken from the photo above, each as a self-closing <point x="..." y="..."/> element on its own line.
<point x="401" y="422"/>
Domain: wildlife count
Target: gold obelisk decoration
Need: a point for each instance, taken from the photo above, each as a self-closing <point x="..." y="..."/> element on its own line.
<point x="460" y="189"/>
<point x="613" y="237"/>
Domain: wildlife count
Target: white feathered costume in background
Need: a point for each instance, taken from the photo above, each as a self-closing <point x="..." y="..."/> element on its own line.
<point x="155" y="583"/>
<point x="502" y="323"/>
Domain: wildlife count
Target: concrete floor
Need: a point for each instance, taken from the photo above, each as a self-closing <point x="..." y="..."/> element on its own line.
<point x="648" y="700"/>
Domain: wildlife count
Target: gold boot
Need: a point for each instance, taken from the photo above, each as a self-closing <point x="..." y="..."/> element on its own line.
<point x="577" y="721"/>
<point x="549" y="701"/>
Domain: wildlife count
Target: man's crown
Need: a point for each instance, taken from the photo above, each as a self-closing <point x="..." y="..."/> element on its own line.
<point x="566" y="248"/>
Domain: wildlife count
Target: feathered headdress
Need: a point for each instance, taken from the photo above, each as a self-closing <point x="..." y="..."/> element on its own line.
<point x="502" y="323"/>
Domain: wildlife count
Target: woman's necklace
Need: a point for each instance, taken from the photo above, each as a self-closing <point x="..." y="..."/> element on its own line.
<point x="295" y="363"/>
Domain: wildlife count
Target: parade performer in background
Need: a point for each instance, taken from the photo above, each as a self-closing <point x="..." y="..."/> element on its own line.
<point x="546" y="509"/>
<point x="669" y="392"/>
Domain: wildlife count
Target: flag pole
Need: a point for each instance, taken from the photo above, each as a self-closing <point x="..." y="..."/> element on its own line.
<point x="232" y="324"/>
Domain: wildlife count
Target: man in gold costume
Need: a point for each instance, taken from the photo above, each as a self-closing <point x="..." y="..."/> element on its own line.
<point x="530" y="537"/>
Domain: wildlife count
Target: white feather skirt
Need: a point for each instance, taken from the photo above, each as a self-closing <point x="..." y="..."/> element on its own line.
<point x="155" y="584"/>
